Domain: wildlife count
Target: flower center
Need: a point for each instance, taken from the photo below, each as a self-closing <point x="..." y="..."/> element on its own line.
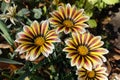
<point x="39" y="41"/>
<point x="83" y="50"/>
<point x="68" y="23"/>
<point x="91" y="74"/>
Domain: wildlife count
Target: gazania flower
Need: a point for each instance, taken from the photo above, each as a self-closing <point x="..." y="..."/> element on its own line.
<point x="97" y="73"/>
<point x="69" y="19"/>
<point x="36" y="39"/>
<point x="85" y="50"/>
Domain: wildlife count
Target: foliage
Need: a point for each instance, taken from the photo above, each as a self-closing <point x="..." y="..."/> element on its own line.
<point x="14" y="15"/>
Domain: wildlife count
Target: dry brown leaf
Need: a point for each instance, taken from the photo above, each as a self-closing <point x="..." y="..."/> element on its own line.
<point x="116" y="57"/>
<point x="39" y="59"/>
<point x="6" y="46"/>
<point x="109" y="68"/>
<point x="115" y="76"/>
<point x="12" y="67"/>
<point x="106" y="20"/>
<point x="22" y="56"/>
<point x="117" y="50"/>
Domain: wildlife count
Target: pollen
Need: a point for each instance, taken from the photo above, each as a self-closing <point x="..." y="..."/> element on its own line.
<point x="39" y="41"/>
<point x="83" y="50"/>
<point x="68" y="23"/>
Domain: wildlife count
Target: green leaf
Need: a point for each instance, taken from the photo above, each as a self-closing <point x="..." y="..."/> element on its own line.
<point x="89" y="13"/>
<point x="92" y="23"/>
<point x="37" y="13"/>
<point x="5" y="33"/>
<point x="92" y="1"/>
<point x="4" y="6"/>
<point x="44" y="9"/>
<point x="4" y="60"/>
<point x="23" y="12"/>
<point x="110" y="2"/>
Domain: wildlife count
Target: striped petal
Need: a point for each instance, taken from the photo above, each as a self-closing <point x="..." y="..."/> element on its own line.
<point x="57" y="15"/>
<point x="60" y="29"/>
<point x="81" y="20"/>
<point x="24" y="35"/>
<point x="29" y="31"/>
<point x="34" y="53"/>
<point x="67" y="30"/>
<point x="44" y="27"/>
<point x="70" y="50"/>
<point x="55" y="21"/>
<point x="36" y="28"/>
<point x="99" y="51"/>
<point x="73" y="61"/>
<point x="80" y="62"/>
<point x="87" y="64"/>
<point x="94" y="40"/>
<point x="25" y="41"/>
<point x="26" y="48"/>
<point x="61" y="10"/>
<point x="51" y="36"/>
<point x="77" y="14"/>
<point x="76" y="38"/>
<point x="70" y="43"/>
<point x="68" y="8"/>
<point x="95" y="60"/>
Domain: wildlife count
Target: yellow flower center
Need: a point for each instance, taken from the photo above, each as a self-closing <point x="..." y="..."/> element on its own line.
<point x="83" y="50"/>
<point x="39" y="41"/>
<point x="91" y="74"/>
<point x="68" y="23"/>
